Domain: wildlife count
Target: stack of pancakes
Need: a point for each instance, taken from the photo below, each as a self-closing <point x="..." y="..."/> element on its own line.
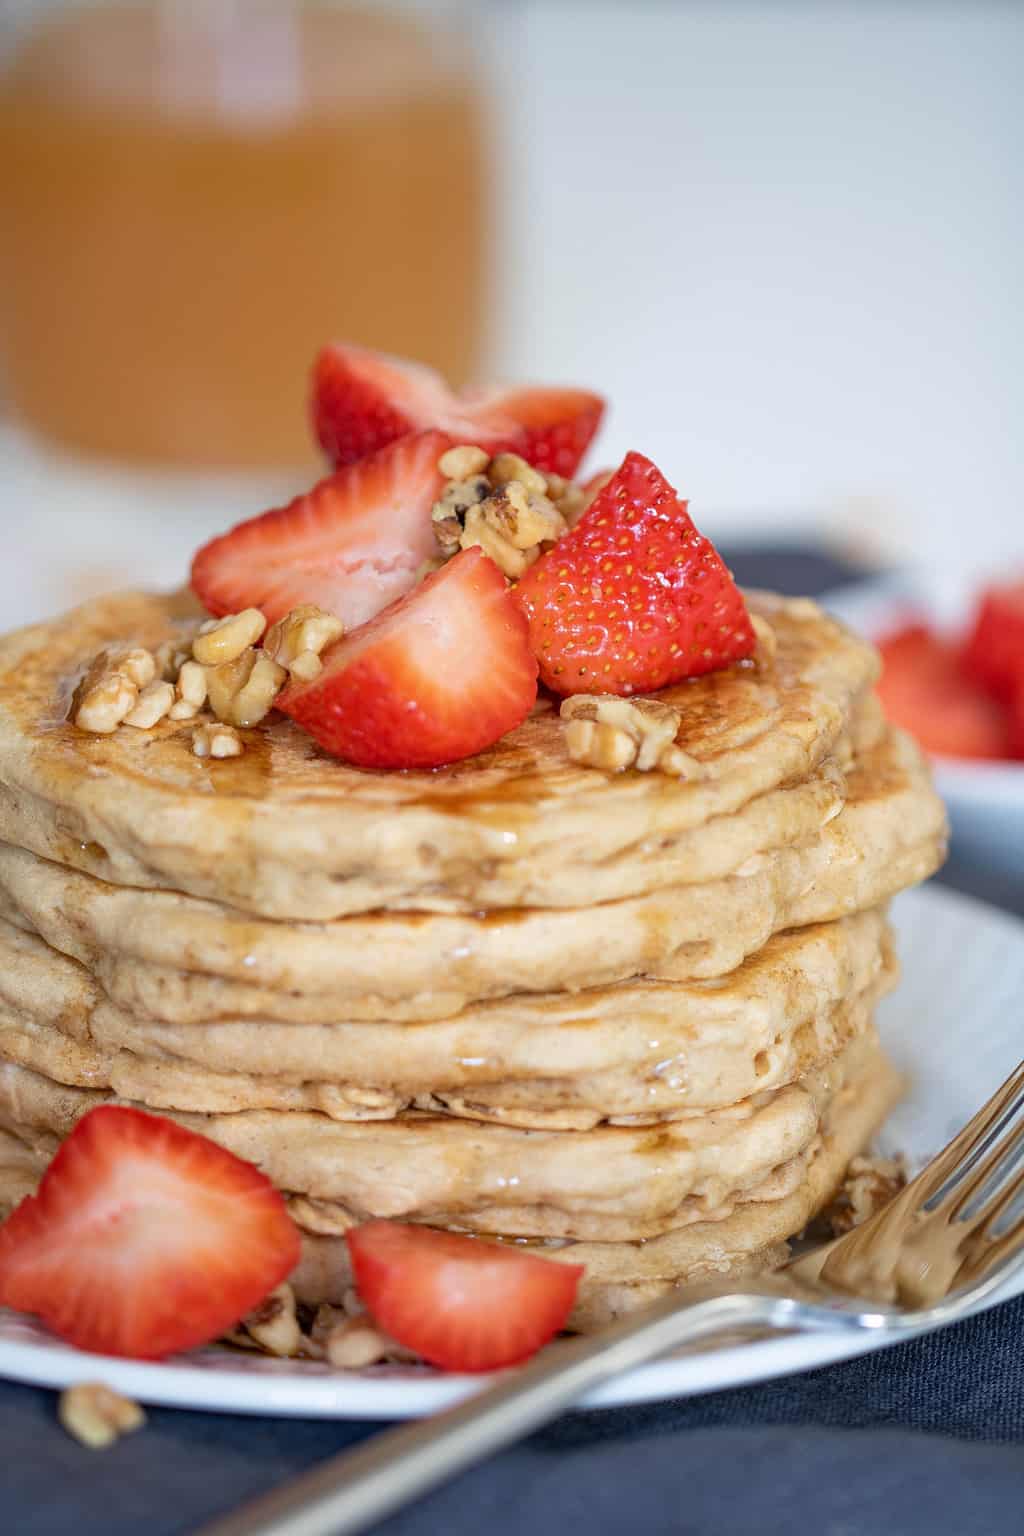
<point x="624" y="1019"/>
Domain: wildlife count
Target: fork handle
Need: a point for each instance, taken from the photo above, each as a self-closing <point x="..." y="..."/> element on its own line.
<point x="357" y="1488"/>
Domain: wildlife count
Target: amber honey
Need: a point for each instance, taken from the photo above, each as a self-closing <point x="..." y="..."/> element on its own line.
<point x="193" y="199"/>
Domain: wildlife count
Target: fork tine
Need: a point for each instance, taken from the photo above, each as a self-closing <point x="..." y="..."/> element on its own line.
<point x="942" y="1174"/>
<point x="984" y="1219"/>
<point x="983" y="1177"/>
<point x="983" y="1254"/>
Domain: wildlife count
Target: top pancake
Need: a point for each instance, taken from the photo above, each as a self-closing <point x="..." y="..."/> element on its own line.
<point x="288" y="832"/>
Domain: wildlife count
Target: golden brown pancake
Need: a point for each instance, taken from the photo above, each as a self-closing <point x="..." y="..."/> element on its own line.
<point x="288" y="832"/>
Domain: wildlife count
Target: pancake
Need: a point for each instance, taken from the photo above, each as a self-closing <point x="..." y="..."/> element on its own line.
<point x="172" y="957"/>
<point x="618" y="1275"/>
<point x="612" y="1183"/>
<point x="287" y="832"/>
<point x="641" y="1051"/>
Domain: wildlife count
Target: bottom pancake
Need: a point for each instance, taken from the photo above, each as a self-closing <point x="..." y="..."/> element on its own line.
<point x="618" y="1275"/>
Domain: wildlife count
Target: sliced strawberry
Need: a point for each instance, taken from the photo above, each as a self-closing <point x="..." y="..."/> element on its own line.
<point x="144" y="1239"/>
<point x="352" y="544"/>
<point x="925" y="690"/>
<point x="461" y="1303"/>
<point x="633" y="598"/>
<point x="1017" y="723"/>
<point x="363" y="399"/>
<point x="441" y="674"/>
<point x="994" y="654"/>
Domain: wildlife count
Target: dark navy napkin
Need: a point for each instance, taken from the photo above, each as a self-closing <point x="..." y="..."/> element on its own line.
<point x="919" y="1440"/>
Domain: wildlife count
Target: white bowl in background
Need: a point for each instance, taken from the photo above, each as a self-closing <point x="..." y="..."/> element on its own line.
<point x="985" y="799"/>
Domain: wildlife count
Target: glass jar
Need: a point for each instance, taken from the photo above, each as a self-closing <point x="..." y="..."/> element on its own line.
<point x="196" y="194"/>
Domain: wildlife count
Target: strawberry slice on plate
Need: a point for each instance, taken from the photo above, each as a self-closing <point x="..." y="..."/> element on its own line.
<point x="994" y="654"/>
<point x="144" y="1239"/>
<point x="441" y="674"/>
<point x="352" y="544"/>
<point x="462" y="1303"/>
<point x="633" y="598"/>
<point x="363" y="400"/>
<point x="924" y="689"/>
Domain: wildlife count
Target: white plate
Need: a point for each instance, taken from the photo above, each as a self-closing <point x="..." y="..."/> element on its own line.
<point x="985" y="800"/>
<point x="953" y="1027"/>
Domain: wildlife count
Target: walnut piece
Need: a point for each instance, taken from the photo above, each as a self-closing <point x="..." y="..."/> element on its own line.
<point x="501" y="506"/>
<point x="242" y="691"/>
<point x="96" y="1415"/>
<point x="273" y="1326"/>
<point x="153" y="703"/>
<point x="870" y="1183"/>
<point x="608" y="732"/>
<point x="217" y="741"/>
<point x="297" y="640"/>
<point x="224" y="639"/>
<point x="107" y="694"/>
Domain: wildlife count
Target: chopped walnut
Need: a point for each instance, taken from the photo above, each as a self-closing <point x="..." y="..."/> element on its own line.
<point x="106" y="694"/>
<point x="462" y="462"/>
<point x="449" y="514"/>
<point x="273" y="1326"/>
<point x="321" y="1216"/>
<point x="217" y="741"/>
<point x="870" y="1183"/>
<point x="96" y="1415"/>
<point x="224" y="639"/>
<point x="510" y="469"/>
<point x="356" y="1343"/>
<point x="502" y="506"/>
<point x="153" y="704"/>
<point x="296" y="641"/>
<point x="605" y="731"/>
<point x="242" y="691"/>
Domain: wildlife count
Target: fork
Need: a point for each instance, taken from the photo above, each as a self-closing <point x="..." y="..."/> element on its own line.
<point x="947" y="1241"/>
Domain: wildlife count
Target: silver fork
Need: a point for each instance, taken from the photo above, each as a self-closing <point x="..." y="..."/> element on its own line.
<point x="953" y="1236"/>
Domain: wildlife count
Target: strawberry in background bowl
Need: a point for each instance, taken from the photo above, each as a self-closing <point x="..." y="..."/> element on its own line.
<point x="952" y="645"/>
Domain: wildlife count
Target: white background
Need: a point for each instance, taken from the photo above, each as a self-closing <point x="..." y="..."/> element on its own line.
<point x="785" y="239"/>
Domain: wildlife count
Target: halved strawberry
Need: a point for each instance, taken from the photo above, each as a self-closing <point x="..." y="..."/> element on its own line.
<point x="633" y="598"/>
<point x="352" y="544"/>
<point x="364" y="399"/>
<point x="144" y="1239"/>
<point x="925" y="690"/>
<point x="1017" y="723"/>
<point x="440" y="675"/>
<point x="462" y="1303"/>
<point x="994" y="653"/>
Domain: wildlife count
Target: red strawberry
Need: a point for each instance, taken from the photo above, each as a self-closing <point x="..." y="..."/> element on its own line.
<point x="924" y="689"/>
<point x="144" y="1239"/>
<point x="441" y="674"/>
<point x="994" y="654"/>
<point x="633" y="598"/>
<point x="1017" y="723"/>
<point x="463" y="1304"/>
<point x="363" y="399"/>
<point x="352" y="544"/>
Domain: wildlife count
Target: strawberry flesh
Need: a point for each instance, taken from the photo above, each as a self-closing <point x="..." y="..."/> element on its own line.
<point x="633" y="598"/>
<point x="352" y="544"/>
<point x="144" y="1238"/>
<point x="363" y="400"/>
<point x="461" y="1303"/>
<point x="924" y="689"/>
<point x="994" y="653"/>
<point x="440" y="675"/>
